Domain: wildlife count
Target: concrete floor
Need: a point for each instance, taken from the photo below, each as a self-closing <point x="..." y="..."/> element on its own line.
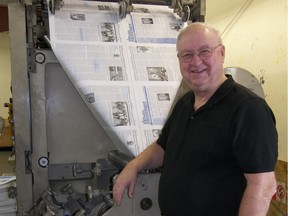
<point x="7" y="166"/>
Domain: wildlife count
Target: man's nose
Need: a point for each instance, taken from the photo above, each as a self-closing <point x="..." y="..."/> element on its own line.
<point x="195" y="60"/>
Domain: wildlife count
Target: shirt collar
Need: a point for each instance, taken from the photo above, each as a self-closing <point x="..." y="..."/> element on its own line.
<point x="223" y="90"/>
<point x="220" y="93"/>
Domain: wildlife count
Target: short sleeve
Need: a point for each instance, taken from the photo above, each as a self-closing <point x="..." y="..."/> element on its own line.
<point x="255" y="141"/>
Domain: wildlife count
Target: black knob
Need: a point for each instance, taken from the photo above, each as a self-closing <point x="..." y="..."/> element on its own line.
<point x="146" y="203"/>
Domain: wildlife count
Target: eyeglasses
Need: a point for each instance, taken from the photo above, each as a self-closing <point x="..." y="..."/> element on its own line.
<point x="204" y="53"/>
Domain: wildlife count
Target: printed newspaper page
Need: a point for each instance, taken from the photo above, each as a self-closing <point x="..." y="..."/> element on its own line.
<point x="126" y="70"/>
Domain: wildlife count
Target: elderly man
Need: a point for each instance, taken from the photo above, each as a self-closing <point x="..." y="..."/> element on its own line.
<point x="218" y="148"/>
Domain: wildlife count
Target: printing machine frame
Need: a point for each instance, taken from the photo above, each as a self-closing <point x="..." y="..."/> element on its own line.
<point x="65" y="161"/>
<point x="54" y="129"/>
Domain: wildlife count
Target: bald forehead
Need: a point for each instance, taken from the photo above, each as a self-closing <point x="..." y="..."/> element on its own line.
<point x="199" y="27"/>
<point x="200" y="30"/>
<point x="195" y="27"/>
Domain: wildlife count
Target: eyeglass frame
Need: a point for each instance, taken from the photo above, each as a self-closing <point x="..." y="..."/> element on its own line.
<point x="197" y="52"/>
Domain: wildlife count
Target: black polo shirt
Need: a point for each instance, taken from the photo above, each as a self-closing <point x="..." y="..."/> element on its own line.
<point x="208" y="151"/>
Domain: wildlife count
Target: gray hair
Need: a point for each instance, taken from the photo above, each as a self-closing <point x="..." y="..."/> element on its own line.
<point x="209" y="27"/>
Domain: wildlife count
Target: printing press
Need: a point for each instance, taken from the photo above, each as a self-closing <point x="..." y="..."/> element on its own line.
<point x="65" y="161"/>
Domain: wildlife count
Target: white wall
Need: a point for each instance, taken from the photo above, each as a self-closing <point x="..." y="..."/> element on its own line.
<point x="257" y="41"/>
<point x="5" y="73"/>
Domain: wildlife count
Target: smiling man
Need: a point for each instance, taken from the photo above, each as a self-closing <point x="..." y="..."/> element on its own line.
<point x="218" y="148"/>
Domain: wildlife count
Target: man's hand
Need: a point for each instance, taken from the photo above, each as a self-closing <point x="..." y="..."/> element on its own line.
<point x="125" y="180"/>
<point x="150" y="158"/>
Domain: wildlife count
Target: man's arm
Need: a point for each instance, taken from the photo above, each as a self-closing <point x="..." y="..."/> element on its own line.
<point x="258" y="193"/>
<point x="151" y="157"/>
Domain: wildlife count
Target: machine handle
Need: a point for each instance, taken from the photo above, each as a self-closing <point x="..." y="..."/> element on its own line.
<point x="119" y="159"/>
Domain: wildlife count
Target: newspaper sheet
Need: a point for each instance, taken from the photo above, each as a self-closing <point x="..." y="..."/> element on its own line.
<point x="126" y="70"/>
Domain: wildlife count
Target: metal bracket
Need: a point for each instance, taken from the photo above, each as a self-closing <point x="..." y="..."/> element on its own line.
<point x="70" y="171"/>
<point x="55" y="5"/>
<point x="28" y="166"/>
<point x="190" y="10"/>
<point x="30" y="39"/>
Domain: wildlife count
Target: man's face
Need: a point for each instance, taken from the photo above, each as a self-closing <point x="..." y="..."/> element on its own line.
<point x="203" y="73"/>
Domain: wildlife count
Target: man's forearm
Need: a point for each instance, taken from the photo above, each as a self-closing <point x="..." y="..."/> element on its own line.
<point x="151" y="157"/>
<point x="258" y="194"/>
<point x="253" y="206"/>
